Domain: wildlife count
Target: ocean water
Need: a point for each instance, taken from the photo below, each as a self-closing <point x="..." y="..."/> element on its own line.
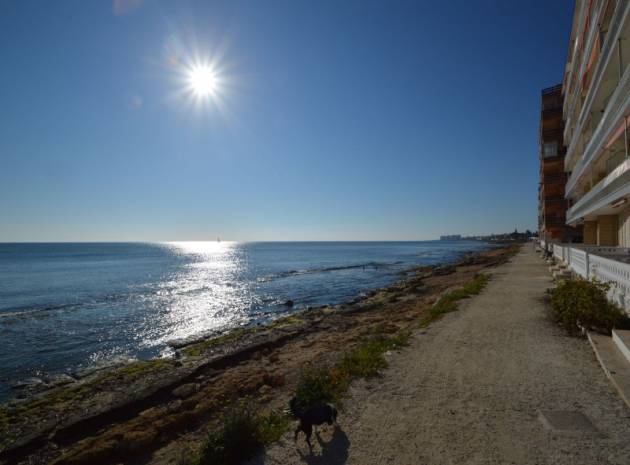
<point x="65" y="307"/>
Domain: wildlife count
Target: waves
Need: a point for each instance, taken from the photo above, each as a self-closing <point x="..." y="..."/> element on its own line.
<point x="173" y="288"/>
<point x="328" y="269"/>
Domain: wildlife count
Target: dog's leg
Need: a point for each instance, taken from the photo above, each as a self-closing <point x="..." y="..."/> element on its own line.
<point x="297" y="431"/>
<point x="308" y="430"/>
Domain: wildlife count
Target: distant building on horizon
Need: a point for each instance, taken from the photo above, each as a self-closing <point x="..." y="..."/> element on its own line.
<point x="596" y="115"/>
<point x="451" y="237"/>
<point x="552" y="205"/>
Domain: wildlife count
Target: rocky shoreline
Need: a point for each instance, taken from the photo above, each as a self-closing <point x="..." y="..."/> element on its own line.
<point x="151" y="411"/>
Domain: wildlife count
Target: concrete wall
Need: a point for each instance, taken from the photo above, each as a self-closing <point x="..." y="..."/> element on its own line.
<point x="590" y="232"/>
<point x="607" y="230"/>
<point x="623" y="230"/>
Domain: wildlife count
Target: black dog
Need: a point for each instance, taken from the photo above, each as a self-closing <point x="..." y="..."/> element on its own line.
<point x="314" y="415"/>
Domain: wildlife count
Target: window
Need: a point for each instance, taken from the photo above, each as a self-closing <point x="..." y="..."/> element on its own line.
<point x="550" y="149"/>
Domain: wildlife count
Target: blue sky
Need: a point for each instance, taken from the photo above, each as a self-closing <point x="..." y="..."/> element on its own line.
<point x="334" y="120"/>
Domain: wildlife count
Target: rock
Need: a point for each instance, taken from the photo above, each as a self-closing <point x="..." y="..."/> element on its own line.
<point x="274" y="380"/>
<point x="28" y="382"/>
<point x="149" y="412"/>
<point x="264" y="389"/>
<point x="185" y="390"/>
<point x="61" y="380"/>
<point x="174" y="406"/>
<point x="289" y="303"/>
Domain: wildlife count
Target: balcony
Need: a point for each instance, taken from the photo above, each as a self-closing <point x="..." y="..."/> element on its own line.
<point x="614" y="113"/>
<point x="587" y="46"/>
<point x="606" y="53"/>
<point x="613" y="187"/>
<point x="574" y="58"/>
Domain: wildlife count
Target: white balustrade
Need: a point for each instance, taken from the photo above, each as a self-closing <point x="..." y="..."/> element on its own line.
<point x="589" y="262"/>
<point x="617" y="274"/>
<point x="578" y="262"/>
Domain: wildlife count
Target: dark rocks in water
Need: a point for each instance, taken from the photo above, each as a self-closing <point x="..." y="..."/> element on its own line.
<point x="28" y="383"/>
<point x="289" y="303"/>
<point x="61" y="380"/>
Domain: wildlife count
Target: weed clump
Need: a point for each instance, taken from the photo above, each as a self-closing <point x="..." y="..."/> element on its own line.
<point x="577" y="303"/>
<point x="320" y="386"/>
<point x="448" y="302"/>
<point x="328" y="384"/>
<point x="367" y="359"/>
<point x="241" y="435"/>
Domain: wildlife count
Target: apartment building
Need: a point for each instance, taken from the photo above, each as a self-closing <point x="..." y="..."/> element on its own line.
<point x="552" y="205"/>
<point x="596" y="112"/>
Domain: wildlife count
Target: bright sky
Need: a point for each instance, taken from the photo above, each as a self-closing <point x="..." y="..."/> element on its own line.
<point x="322" y="120"/>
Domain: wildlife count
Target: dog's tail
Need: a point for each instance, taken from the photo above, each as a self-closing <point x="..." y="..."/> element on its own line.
<point x="294" y="409"/>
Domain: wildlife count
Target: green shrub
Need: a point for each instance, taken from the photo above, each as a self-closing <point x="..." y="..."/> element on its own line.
<point x="320" y="385"/>
<point x="367" y="359"/>
<point x="577" y="302"/>
<point x="448" y="302"/>
<point x="323" y="385"/>
<point x="242" y="434"/>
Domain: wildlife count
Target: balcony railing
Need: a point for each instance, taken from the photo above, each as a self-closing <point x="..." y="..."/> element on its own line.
<point x="604" y="192"/>
<point x="573" y="54"/>
<point x="552" y="89"/>
<point x="614" y="113"/>
<point x="620" y="13"/>
<point x="586" y="53"/>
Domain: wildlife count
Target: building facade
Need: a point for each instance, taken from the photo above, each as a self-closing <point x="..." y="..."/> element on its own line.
<point x="552" y="205"/>
<point x="596" y="113"/>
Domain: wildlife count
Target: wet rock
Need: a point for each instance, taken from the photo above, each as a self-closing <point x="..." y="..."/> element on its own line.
<point x="186" y="390"/>
<point x="289" y="303"/>
<point x="61" y="380"/>
<point x="149" y="412"/>
<point x="28" y="383"/>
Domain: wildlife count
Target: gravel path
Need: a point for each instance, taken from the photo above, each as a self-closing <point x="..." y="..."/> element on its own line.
<point x="469" y="389"/>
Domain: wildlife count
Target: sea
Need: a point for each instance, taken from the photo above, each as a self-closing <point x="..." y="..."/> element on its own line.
<point x="69" y="307"/>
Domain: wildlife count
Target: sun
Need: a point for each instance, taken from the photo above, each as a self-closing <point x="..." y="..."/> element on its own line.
<point x="202" y="80"/>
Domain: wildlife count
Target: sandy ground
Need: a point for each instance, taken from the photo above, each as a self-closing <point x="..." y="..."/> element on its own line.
<point x="468" y="390"/>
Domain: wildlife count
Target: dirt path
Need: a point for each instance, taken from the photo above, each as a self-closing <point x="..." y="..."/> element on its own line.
<point x="469" y="389"/>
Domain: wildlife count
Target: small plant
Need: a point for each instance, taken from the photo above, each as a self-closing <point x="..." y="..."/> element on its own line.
<point x="448" y="302"/>
<point x="242" y="434"/>
<point x="367" y="359"/>
<point x="324" y="385"/>
<point x="579" y="303"/>
<point x="320" y="385"/>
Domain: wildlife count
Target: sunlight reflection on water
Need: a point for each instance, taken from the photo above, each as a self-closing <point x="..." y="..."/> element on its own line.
<point x="206" y="295"/>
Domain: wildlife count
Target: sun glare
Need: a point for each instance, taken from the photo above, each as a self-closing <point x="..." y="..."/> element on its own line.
<point x="202" y="80"/>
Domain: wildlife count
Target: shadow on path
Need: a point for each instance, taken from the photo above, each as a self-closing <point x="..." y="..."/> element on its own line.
<point x="334" y="452"/>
